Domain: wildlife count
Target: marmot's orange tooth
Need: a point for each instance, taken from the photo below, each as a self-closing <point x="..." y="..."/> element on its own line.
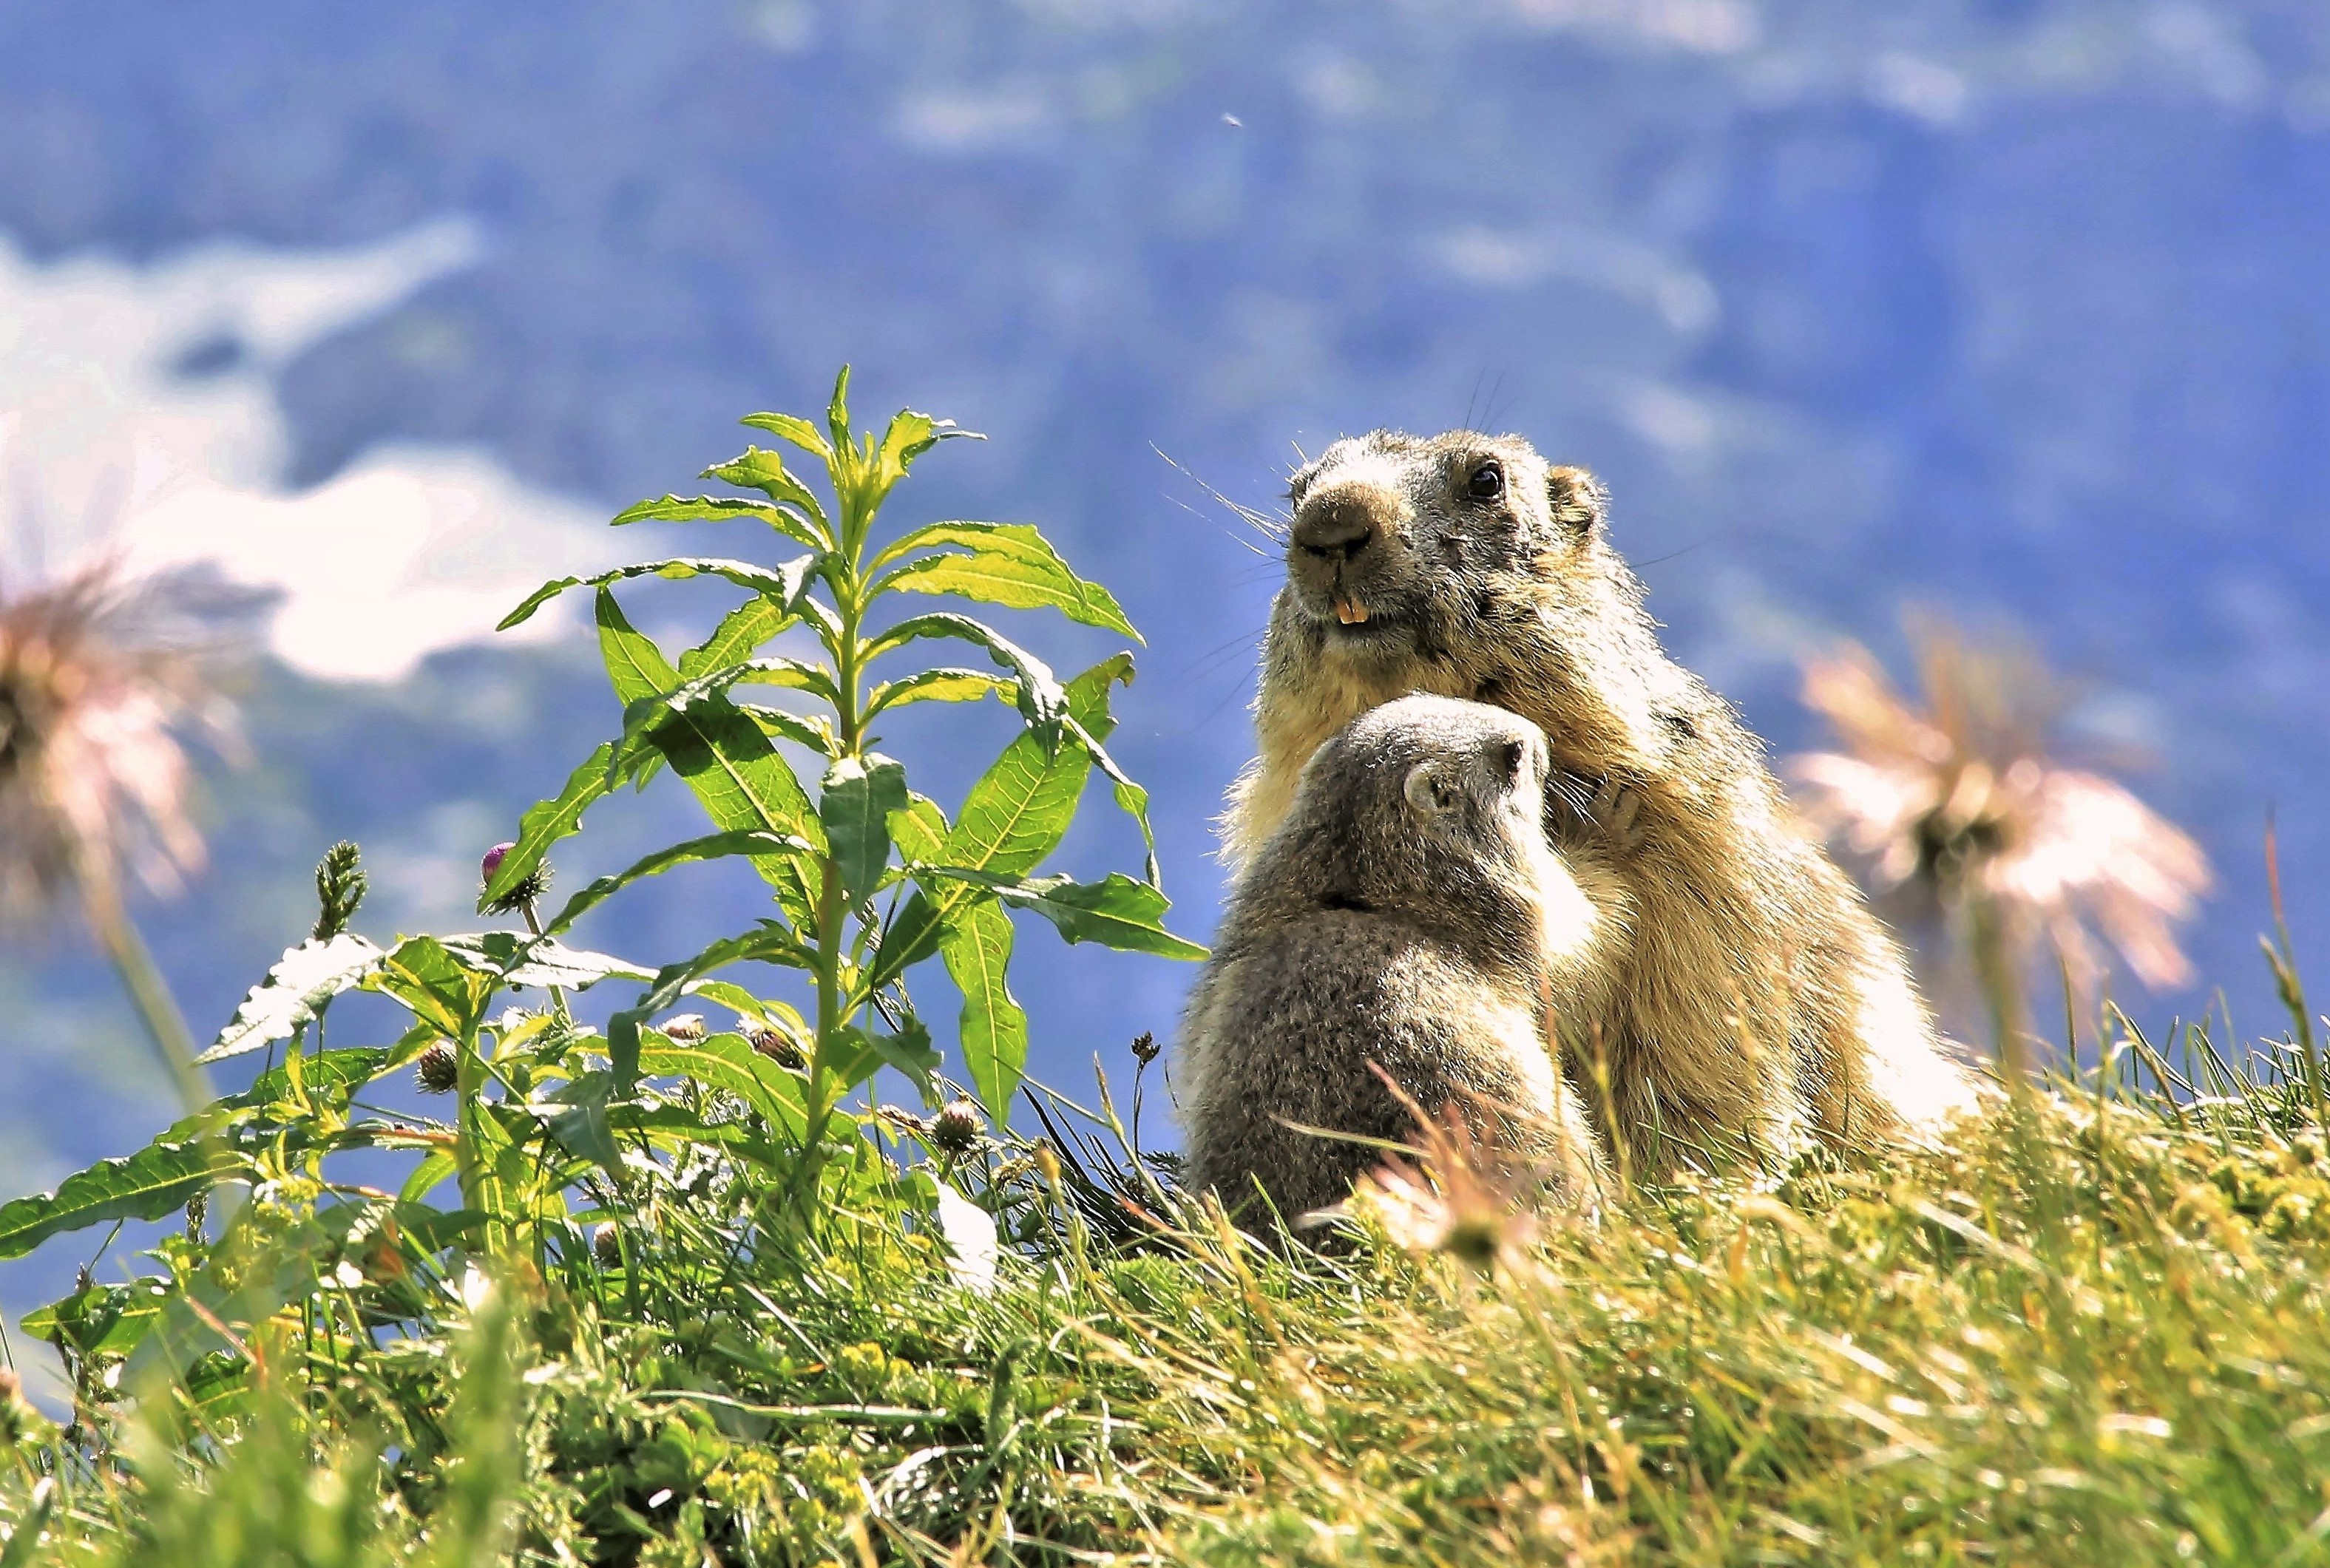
<point x="1351" y="611"/>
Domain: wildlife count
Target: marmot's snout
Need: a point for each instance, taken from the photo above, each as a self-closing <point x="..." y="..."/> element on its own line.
<point x="1335" y="549"/>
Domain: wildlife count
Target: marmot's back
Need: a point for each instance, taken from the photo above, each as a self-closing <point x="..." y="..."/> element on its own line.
<point x="1409" y="914"/>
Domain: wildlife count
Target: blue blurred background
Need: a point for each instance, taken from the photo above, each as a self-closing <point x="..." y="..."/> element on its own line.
<point x="2015" y="308"/>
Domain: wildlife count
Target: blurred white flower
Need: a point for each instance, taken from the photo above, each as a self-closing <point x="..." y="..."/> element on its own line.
<point x="1957" y="802"/>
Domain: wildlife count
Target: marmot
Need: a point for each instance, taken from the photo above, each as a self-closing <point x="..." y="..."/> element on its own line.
<point x="1408" y="912"/>
<point x="1749" y="993"/>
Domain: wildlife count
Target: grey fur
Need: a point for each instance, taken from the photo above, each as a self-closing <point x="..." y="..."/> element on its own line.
<point x="1408" y="911"/>
<point x="1745" y="994"/>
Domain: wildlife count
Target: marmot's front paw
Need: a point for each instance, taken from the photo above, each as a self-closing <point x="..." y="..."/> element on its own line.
<point x="1617" y="813"/>
<point x="1602" y="811"/>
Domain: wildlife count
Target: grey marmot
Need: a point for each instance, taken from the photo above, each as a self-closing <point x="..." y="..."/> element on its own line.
<point x="1749" y="997"/>
<point x="1408" y="913"/>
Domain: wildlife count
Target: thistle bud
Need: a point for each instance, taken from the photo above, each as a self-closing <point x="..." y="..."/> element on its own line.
<point x="776" y="1045"/>
<point x="956" y="1127"/>
<point x="438" y="1070"/>
<point x="524" y="891"/>
<point x="686" y="1028"/>
<point x="608" y="1246"/>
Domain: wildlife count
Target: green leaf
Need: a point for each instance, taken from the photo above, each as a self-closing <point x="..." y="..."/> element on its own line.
<point x="1119" y="912"/>
<point x="636" y="668"/>
<point x="157" y="1180"/>
<point x="908" y="437"/>
<point x="908" y="1049"/>
<point x="443" y="993"/>
<point x="714" y="509"/>
<point x="1131" y="797"/>
<point x="770" y="943"/>
<point x="333" y="1076"/>
<point x="784" y="585"/>
<point x="515" y="959"/>
<point x="977" y="947"/>
<point x="736" y="774"/>
<point x="935" y="685"/>
<point x="741" y="633"/>
<point x="837" y="424"/>
<point x="1006" y="564"/>
<point x="102" y="1319"/>
<point x="858" y="795"/>
<point x="745" y="1004"/>
<point x="1015" y="815"/>
<point x="712" y="846"/>
<point x="728" y="1062"/>
<point x="1042" y="702"/>
<point x="918" y="827"/>
<point x="812" y="733"/>
<point x="302" y="980"/>
<point x="850" y="1056"/>
<point x="546" y="822"/>
<point x="642" y="713"/>
<point x="427" y="1176"/>
<point x="1019" y="809"/>
<point x="583" y="1128"/>
<point x="758" y="468"/>
<point x="794" y="429"/>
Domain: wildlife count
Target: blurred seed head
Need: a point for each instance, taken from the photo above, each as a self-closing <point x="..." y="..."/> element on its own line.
<point x="608" y="1246"/>
<point x="957" y="1127"/>
<point x="1953" y="795"/>
<point x="685" y="1027"/>
<point x="1459" y="1197"/>
<point x="438" y="1070"/>
<point x="103" y="679"/>
<point x="340" y="888"/>
<point x="776" y="1045"/>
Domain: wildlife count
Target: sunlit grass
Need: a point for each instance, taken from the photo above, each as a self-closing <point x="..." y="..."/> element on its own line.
<point x="2091" y="1329"/>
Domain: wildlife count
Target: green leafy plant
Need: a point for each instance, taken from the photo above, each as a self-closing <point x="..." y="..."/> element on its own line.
<point x="870" y="877"/>
<point x="555" y="1127"/>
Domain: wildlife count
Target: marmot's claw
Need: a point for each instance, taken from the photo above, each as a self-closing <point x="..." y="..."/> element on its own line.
<point x="1616" y="811"/>
<point x="1580" y="806"/>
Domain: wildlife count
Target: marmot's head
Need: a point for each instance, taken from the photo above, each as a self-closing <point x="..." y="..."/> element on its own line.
<point x="1405" y="547"/>
<point x="1430" y="805"/>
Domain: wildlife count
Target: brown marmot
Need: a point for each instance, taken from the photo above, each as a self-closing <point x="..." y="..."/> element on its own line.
<point x="1749" y="995"/>
<point x="1408" y="913"/>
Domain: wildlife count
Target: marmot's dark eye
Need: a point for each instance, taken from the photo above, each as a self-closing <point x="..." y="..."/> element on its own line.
<point x="1487" y="483"/>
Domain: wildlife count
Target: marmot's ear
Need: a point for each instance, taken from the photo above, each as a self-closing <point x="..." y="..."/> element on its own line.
<point x="1431" y="794"/>
<point x="1576" y="499"/>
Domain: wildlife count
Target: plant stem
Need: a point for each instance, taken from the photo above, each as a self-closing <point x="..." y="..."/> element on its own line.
<point x="557" y="994"/>
<point x="149" y="993"/>
<point x="1993" y="969"/>
<point x="848" y="611"/>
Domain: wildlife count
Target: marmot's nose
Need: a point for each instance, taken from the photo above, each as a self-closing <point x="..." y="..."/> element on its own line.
<point x="1338" y="524"/>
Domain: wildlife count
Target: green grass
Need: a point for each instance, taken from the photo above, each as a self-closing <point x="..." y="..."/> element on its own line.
<point x="2089" y="1331"/>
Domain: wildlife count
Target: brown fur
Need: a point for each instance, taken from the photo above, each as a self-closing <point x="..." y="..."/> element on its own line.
<point x="1747" y="991"/>
<point x="1409" y="914"/>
